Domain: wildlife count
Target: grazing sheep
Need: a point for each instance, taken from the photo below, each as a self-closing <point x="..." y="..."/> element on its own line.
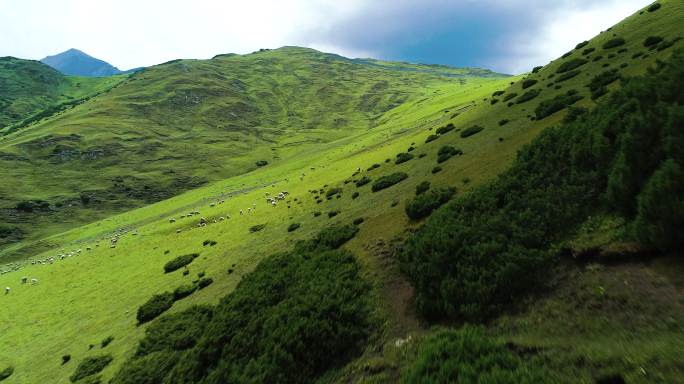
<point x="178" y="231"/>
<point x="172" y="220"/>
<point x="241" y="213"/>
<point x="34" y="281"/>
<point x="249" y="210"/>
<point x="7" y="290"/>
<point x="212" y="204"/>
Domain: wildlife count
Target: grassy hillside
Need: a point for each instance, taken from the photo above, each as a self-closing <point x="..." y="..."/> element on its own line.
<point x="95" y="293"/>
<point x="28" y="87"/>
<point x="182" y="124"/>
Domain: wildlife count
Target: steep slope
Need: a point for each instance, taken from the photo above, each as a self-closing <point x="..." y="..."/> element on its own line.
<point x="95" y="293"/>
<point x="29" y="87"/>
<point x="181" y="124"/>
<point x="73" y="62"/>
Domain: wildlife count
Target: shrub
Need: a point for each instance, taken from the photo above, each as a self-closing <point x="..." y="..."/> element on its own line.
<point x="422" y="187"/>
<point x="568" y="75"/>
<point x="471" y="131"/>
<point x="637" y="55"/>
<point x="179" y="262"/>
<point x="571" y="64"/>
<point x="257" y="228"/>
<point x="293" y="227"/>
<point x="597" y="58"/>
<point x="469" y="356"/>
<point x="90" y="366"/>
<point x="528" y="83"/>
<point x="527" y="96"/>
<point x="510" y="96"/>
<point x="7" y="372"/>
<point x="261" y="163"/>
<point x="332" y="192"/>
<point x="204" y="282"/>
<point x="423" y="205"/>
<point x="403" y="157"/>
<point x="317" y="213"/>
<point x="613" y="43"/>
<point x="551" y="106"/>
<point x="66" y="358"/>
<point x="573" y="114"/>
<point x="431" y="138"/>
<point x="436" y="169"/>
<point x="374" y="166"/>
<point x="494" y="101"/>
<point x="536" y="69"/>
<point x="652" y="40"/>
<point x="588" y="51"/>
<point x="582" y="45"/>
<point x="331" y="237"/>
<point x="445" y="129"/>
<point x="355" y="195"/>
<point x="388" y="181"/>
<point x="503" y="122"/>
<point x="447" y="152"/>
<point x="106" y="341"/>
<point x="183" y="291"/>
<point x="598" y="83"/>
<point x="358" y="221"/>
<point x="210" y="243"/>
<point x="566" y="54"/>
<point x="498" y="93"/>
<point x="363" y="181"/>
<point x="154" y="307"/>
<point x="654" y="7"/>
<point x="332" y="214"/>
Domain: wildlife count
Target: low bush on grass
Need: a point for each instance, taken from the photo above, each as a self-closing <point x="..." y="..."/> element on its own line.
<point x="66" y="358"/>
<point x="582" y="45"/>
<point x="597" y="58"/>
<point x="91" y="366"/>
<point x="403" y="157"/>
<point x="374" y="166"/>
<point x="528" y="83"/>
<point x="204" y="282"/>
<point x="498" y="93"/>
<point x="363" y="181"/>
<point x="261" y="163"/>
<point x="7" y="372"/>
<point x="469" y="356"/>
<point x="431" y="138"/>
<point x="494" y="101"/>
<point x="551" y="106"/>
<point x="388" y="181"/>
<point x="447" y="152"/>
<point x="293" y="227"/>
<point x="652" y="40"/>
<point x="568" y="75"/>
<point x="154" y="307"/>
<point x="475" y="129"/>
<point x="358" y="221"/>
<point x="355" y="195"/>
<point x="332" y="192"/>
<point x="566" y="54"/>
<point x="527" y="96"/>
<point x="588" y="51"/>
<point x="257" y="228"/>
<point x="423" y="205"/>
<point x="445" y="129"/>
<point x="537" y="69"/>
<point x="210" y="243"/>
<point x="179" y="262"/>
<point x="510" y="96"/>
<point x="571" y="64"/>
<point x="183" y="291"/>
<point x="332" y="214"/>
<point x="503" y="122"/>
<point x="106" y="341"/>
<point x="654" y="7"/>
<point x="614" y="43"/>
<point x="599" y="83"/>
<point x="422" y="187"/>
<point x="436" y="169"/>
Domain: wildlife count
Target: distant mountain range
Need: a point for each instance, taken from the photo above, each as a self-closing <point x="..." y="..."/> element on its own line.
<point x="78" y="63"/>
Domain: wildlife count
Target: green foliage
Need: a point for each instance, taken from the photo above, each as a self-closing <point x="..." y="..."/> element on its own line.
<point x="569" y="65"/>
<point x="445" y="129"/>
<point x="179" y="262"/>
<point x="471" y="131"/>
<point x="209" y="242"/>
<point x="447" y="152"/>
<point x="582" y="45"/>
<point x="652" y="40"/>
<point x="431" y="138"/>
<point x="91" y="366"/>
<point x="494" y="101"/>
<point x="422" y="187"/>
<point x="374" y="166"/>
<point x="332" y="192"/>
<point x="293" y="227"/>
<point x="7" y="372"/>
<point x="358" y="221"/>
<point x="566" y="54"/>
<point x="588" y="51"/>
<point x="331" y="237"/>
<point x="613" y="43"/>
<point x="355" y="195"/>
<point x="183" y="291"/>
<point x="106" y="341"/>
<point x="388" y="181"/>
<point x="528" y="83"/>
<point x="498" y="93"/>
<point x="403" y="157"/>
<point x="568" y="75"/>
<point x="66" y="358"/>
<point x="154" y="307"/>
<point x="503" y="122"/>
<point x="598" y="83"/>
<point x="469" y="356"/>
<point x="204" y="282"/>
<point x="333" y="213"/>
<point x="363" y="181"/>
<point x="257" y="228"/>
<point x="654" y="7"/>
<point x="261" y="163"/>
<point x="551" y="106"/>
<point x="423" y="204"/>
<point x="510" y="96"/>
<point x="527" y="96"/>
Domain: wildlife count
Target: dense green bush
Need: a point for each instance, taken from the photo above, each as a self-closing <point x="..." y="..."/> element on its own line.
<point x="261" y="163"/>
<point x="588" y="51"/>
<point x="582" y="44"/>
<point x="445" y="129"/>
<point x="90" y="366"/>
<point x="613" y="43"/>
<point x="291" y="319"/>
<point x="569" y="65"/>
<point x="293" y="227"/>
<point x="654" y="7"/>
<point x="363" y="181"/>
<point x="257" y="228"/>
<point x="422" y="187"/>
<point x="403" y="157"/>
<point x="358" y="221"/>
<point x="65" y="359"/>
<point x="568" y="75"/>
<point x="528" y="83"/>
<point x="154" y="307"/>
<point x="494" y="101"/>
<point x="503" y="122"/>
<point x="204" y="282"/>
<point x="527" y="96"/>
<point x="566" y="54"/>
<point x="355" y="195"/>
<point x="551" y="106"/>
<point x="469" y="356"/>
<point x="598" y="83"/>
<point x="332" y="192"/>
<point x="210" y="243"/>
<point x="510" y="96"/>
<point x="374" y="166"/>
<point x="471" y="131"/>
<point x="423" y="205"/>
<point x="179" y="262"/>
<point x="388" y="181"/>
<point x="447" y="152"/>
<point x="106" y="341"/>
<point x="479" y="253"/>
<point x="183" y="291"/>
<point x="431" y="138"/>
<point x="536" y="69"/>
<point x="436" y="169"/>
<point x="498" y="93"/>
<point x="333" y="213"/>
<point x="7" y="372"/>
<point x="652" y="40"/>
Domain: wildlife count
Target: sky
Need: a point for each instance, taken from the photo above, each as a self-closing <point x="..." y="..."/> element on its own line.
<point x="508" y="36"/>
